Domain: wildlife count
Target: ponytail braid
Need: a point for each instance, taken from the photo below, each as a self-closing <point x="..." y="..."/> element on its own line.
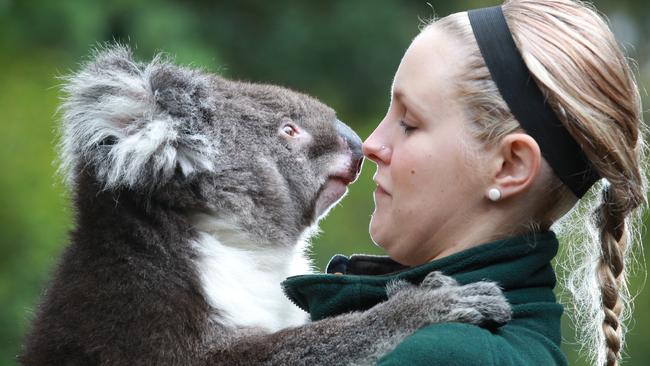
<point x="610" y="221"/>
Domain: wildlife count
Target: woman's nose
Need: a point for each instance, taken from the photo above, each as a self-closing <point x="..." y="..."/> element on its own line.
<point x="376" y="151"/>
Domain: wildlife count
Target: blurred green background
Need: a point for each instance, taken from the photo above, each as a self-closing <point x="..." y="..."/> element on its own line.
<point x="343" y="52"/>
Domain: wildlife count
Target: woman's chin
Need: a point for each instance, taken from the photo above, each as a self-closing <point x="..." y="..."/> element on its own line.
<point x="377" y="230"/>
<point x="387" y="239"/>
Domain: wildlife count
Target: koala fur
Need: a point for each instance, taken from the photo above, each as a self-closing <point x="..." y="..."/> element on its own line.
<point x="194" y="198"/>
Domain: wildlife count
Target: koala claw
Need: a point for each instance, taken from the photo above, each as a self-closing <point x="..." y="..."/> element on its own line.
<point x="483" y="288"/>
<point x="483" y="304"/>
<point x="440" y="298"/>
<point x="396" y="286"/>
<point x="436" y="279"/>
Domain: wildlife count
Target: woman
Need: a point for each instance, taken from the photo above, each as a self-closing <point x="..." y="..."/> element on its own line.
<point x="474" y="165"/>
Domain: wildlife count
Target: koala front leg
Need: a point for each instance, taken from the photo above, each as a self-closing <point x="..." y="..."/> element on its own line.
<point x="361" y="338"/>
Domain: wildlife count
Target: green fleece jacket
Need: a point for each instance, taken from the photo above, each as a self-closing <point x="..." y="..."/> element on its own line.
<point x="519" y="264"/>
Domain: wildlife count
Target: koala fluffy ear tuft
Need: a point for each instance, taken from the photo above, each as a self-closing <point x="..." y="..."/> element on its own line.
<point x="134" y="123"/>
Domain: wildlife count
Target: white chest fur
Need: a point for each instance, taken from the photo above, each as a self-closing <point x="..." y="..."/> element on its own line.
<point x="242" y="282"/>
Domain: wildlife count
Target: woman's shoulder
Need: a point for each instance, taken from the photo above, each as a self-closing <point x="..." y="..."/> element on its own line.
<point x="465" y="344"/>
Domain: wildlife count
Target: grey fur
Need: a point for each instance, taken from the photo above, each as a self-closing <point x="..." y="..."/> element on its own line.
<point x="147" y="148"/>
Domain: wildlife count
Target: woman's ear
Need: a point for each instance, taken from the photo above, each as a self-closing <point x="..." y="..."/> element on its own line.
<point x="518" y="165"/>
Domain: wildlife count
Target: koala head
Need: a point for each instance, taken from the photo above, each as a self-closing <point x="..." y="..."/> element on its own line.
<point x="266" y="159"/>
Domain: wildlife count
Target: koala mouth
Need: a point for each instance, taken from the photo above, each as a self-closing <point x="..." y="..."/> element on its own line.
<point x="331" y="192"/>
<point x="336" y="185"/>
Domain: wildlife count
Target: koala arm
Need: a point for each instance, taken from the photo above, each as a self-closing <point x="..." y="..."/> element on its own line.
<point x="362" y="338"/>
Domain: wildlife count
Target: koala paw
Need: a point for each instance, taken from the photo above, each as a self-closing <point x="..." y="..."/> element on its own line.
<point x="480" y="303"/>
<point x="432" y="281"/>
<point x="440" y="298"/>
<point x="396" y="286"/>
<point x="437" y="279"/>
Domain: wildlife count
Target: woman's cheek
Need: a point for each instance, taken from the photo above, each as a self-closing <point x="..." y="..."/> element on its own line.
<point x="406" y="175"/>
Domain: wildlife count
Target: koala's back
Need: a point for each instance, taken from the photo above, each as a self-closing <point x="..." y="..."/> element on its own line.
<point x="121" y="294"/>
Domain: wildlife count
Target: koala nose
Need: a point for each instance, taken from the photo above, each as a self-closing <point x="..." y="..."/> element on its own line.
<point x="351" y="138"/>
<point x="354" y="143"/>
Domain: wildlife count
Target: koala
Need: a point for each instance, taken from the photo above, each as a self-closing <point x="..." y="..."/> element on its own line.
<point x="194" y="197"/>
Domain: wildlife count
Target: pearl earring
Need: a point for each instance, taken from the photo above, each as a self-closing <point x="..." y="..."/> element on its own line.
<point x="383" y="147"/>
<point x="494" y="194"/>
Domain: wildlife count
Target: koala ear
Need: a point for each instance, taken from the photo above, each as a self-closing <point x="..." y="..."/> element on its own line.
<point x="133" y="123"/>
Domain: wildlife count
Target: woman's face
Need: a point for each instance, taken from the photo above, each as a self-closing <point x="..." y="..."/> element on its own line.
<point x="427" y="167"/>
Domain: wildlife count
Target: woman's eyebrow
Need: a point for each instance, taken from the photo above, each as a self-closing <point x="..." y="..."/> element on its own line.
<point x="410" y="105"/>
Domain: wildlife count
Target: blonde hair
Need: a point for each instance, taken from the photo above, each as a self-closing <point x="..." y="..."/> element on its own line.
<point x="575" y="60"/>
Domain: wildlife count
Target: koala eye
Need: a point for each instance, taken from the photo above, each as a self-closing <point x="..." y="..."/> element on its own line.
<point x="290" y="129"/>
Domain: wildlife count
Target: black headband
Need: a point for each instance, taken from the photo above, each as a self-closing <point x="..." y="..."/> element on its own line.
<point x="526" y="101"/>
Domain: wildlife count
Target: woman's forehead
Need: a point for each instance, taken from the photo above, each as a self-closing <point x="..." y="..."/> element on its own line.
<point x="427" y="70"/>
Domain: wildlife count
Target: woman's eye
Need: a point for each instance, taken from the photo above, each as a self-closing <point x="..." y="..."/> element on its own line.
<point x="407" y="128"/>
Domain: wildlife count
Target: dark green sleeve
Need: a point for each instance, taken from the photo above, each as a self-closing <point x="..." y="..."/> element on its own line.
<point x="444" y="344"/>
<point x="457" y="344"/>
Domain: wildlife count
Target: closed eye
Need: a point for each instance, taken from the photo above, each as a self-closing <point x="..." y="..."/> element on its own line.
<point x="407" y="128"/>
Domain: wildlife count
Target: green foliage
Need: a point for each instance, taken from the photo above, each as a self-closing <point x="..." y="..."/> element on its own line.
<point x="34" y="218"/>
<point x="344" y="52"/>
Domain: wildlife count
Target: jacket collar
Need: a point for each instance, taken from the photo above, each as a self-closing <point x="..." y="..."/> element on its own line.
<point x="517" y="262"/>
